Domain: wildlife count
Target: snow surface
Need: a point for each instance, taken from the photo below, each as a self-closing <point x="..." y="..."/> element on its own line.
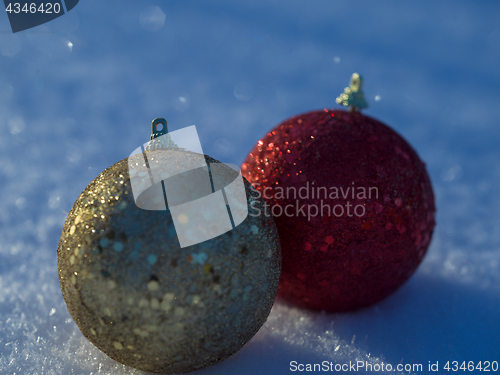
<point x="79" y="93"/>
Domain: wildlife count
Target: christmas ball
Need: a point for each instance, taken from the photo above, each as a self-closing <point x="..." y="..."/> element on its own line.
<point x="353" y="205"/>
<point x="149" y="303"/>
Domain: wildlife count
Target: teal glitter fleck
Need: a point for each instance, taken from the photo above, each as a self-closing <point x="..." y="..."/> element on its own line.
<point x="118" y="246"/>
<point x="199" y="258"/>
<point x="152" y="259"/>
<point x="234" y="293"/>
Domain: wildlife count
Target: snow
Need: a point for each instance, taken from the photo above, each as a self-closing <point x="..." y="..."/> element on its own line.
<point x="78" y="94"/>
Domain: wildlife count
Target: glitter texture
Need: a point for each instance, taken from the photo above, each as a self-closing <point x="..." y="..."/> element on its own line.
<point x="146" y="302"/>
<point x="344" y="262"/>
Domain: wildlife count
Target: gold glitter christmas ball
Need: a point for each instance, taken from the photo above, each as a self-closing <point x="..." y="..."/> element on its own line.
<point x="151" y="304"/>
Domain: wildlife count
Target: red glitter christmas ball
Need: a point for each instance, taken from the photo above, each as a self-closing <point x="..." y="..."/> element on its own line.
<point x="353" y="204"/>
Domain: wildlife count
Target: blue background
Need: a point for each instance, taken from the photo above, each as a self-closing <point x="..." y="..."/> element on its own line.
<point x="78" y="94"/>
